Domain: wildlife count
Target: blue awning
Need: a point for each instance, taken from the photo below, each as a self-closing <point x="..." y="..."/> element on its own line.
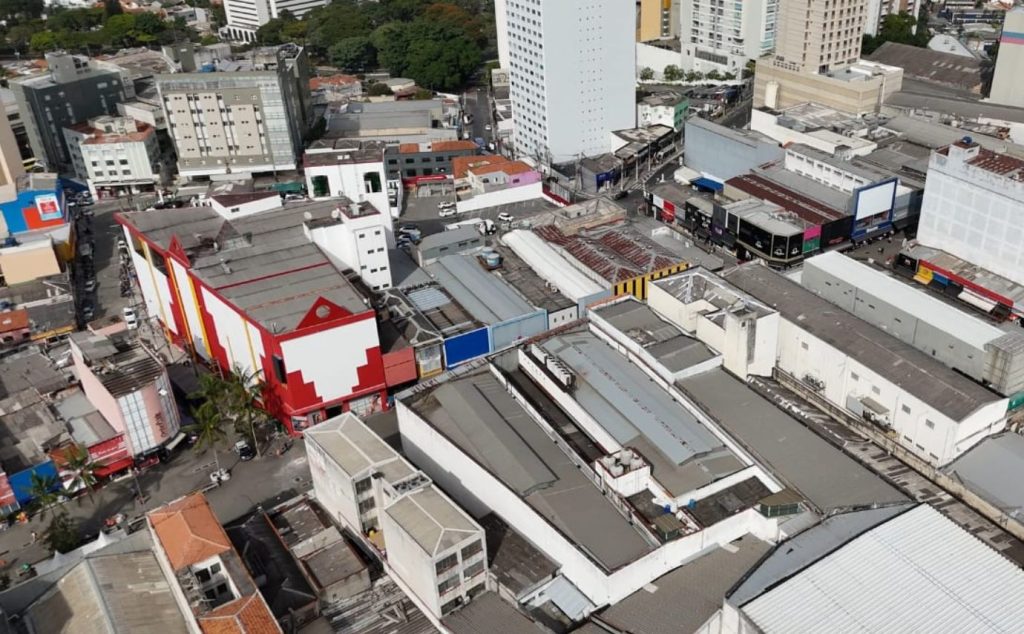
<point x="707" y="183"/>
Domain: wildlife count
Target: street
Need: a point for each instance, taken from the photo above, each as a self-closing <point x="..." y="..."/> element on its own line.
<point x="278" y="478"/>
<point x="477" y="103"/>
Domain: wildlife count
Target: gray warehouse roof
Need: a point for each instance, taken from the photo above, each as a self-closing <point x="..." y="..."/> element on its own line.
<point x="638" y="413"/>
<point x="897" y="361"/>
<point x="684" y="599"/>
<point x="664" y="341"/>
<point x="480" y="417"/>
<point x="356" y="449"/>
<point x="488" y="298"/>
<point x="434" y="521"/>
<point x="994" y="469"/>
<point x="827" y="477"/>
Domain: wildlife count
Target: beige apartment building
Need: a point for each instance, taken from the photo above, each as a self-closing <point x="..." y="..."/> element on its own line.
<point x="247" y="116"/>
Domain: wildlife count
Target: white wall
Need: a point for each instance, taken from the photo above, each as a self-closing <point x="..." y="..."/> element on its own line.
<point x="656" y="59"/>
<point x="333" y="488"/>
<point x="241" y="341"/>
<point x="347" y="179"/>
<point x="362" y="244"/>
<point x="247" y="209"/>
<point x="597" y="586"/>
<point x="411" y="563"/>
<point x="189" y="307"/>
<point x="923" y="430"/>
<point x="507" y="196"/>
<point x="330" y="359"/>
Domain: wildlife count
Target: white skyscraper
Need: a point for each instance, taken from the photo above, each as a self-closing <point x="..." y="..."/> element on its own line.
<point x="572" y="74"/>
<point x="723" y="36"/>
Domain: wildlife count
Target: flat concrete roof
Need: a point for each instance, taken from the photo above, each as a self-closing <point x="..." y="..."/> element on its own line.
<point x="356" y="449"/>
<point x="824" y="475"/>
<point x="912" y="370"/>
<point x="662" y="340"/>
<point x="432" y="520"/>
<point x="480" y="417"/>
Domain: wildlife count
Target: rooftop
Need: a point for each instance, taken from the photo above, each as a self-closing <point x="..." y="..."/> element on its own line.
<point x="550" y="264"/>
<point x="912" y="370"/>
<point x="929" y="65"/>
<point x="638" y="413"/>
<point x="263" y="264"/>
<point x="462" y="165"/>
<point x="488" y="613"/>
<point x="528" y="283"/>
<point x="684" y="599"/>
<point x="989" y="161"/>
<point x="30" y="370"/>
<point x="866" y="172"/>
<point x="957" y="106"/>
<point x="696" y="284"/>
<point x="615" y="253"/>
<point x="665" y="99"/>
<point x="444" y="314"/>
<point x="971" y="272"/>
<point x="124" y="592"/>
<point x="992" y="469"/>
<point x="768" y="216"/>
<point x="824" y="475"/>
<point x="924" y="306"/>
<point x="121" y="364"/>
<point x="659" y="338"/>
<point x="324" y="152"/>
<point x="515" y="563"/>
<point x="830" y="197"/>
<point x="487" y="297"/>
<point x="956" y="581"/>
<point x="357" y="450"/>
<point x="789" y="199"/>
<point x="479" y="416"/>
<point x="188" y="531"/>
<point x="432" y="520"/>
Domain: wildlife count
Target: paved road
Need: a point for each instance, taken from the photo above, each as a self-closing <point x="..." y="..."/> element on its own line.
<point x="477" y="102"/>
<point x="265" y="480"/>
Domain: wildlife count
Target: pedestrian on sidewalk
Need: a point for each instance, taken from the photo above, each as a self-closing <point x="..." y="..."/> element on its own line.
<point x="35" y="537"/>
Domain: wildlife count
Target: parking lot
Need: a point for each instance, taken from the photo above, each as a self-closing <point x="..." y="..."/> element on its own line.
<point x="423" y="211"/>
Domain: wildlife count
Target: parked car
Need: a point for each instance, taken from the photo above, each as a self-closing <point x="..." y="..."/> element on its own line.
<point x="245" y="451"/>
<point x="131" y="318"/>
<point x="90" y="285"/>
<point x="408" y="227"/>
<point x="505" y="217"/>
<point x="445" y="204"/>
<point x="291" y="197"/>
<point x="447" y="211"/>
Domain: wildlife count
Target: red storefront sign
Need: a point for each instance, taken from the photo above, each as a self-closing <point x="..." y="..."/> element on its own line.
<point x="6" y="492"/>
<point x="110" y="450"/>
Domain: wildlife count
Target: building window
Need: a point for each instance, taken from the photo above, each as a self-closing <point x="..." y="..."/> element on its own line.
<point x="364" y="485"/>
<point x="854" y="377"/>
<point x="929" y="424"/>
<point x="448" y="585"/>
<point x="876" y="390"/>
<point x="279" y="369"/>
<point x="371" y="181"/>
<point x="473" y="570"/>
<point x="471" y="550"/>
<point x="445" y="564"/>
<point x="367" y="505"/>
<point x="803" y="344"/>
<point x="906" y="410"/>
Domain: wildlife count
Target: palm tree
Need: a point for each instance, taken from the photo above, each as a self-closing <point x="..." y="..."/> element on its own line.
<point x="209" y="426"/>
<point x="245" y="392"/>
<point x="81" y="465"/>
<point x="43" y="489"/>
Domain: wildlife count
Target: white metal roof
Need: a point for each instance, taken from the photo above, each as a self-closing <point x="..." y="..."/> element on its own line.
<point x="550" y="265"/>
<point x="921" y="305"/>
<point x="918" y="572"/>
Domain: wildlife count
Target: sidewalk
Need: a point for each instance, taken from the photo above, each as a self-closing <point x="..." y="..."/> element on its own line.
<point x="261" y="480"/>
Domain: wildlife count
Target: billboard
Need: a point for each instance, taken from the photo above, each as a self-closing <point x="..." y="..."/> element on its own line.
<point x="875" y="199"/>
<point x="466" y="346"/>
<point x="49" y="208"/>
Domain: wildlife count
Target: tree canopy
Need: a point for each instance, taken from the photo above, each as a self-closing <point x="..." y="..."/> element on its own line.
<point x="900" y="28"/>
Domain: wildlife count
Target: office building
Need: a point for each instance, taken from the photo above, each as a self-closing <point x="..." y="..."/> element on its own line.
<point x="73" y="89"/>
<point x="722" y="37"/>
<point x="436" y="550"/>
<point x="572" y="74"/>
<point x="245" y="17"/>
<point x="501" y="26"/>
<point x="245" y="116"/>
<point x="1007" y="88"/>
<point x="129" y="386"/>
<point x="819" y="37"/>
<point x="354" y="169"/>
<point x="258" y="293"/>
<point x="877" y="10"/>
<point x="116" y="155"/>
<point x="970" y="202"/>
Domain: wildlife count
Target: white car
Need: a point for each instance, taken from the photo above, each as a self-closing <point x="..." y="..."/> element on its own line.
<point x="90" y="286"/>
<point x="447" y="211"/>
<point x="505" y="217"/>
<point x="131" y="318"/>
<point x="487" y="127"/>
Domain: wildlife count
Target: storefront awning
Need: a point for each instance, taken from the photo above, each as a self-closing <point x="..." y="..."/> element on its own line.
<point x="114" y="467"/>
<point x="977" y="301"/>
<point x="707" y="183"/>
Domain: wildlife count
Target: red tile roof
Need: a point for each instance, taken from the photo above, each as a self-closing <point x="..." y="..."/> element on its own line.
<point x="188" y="531"/>
<point x="246" y="615"/>
<point x="509" y="167"/>
<point x="408" y="148"/>
<point x="805" y="208"/>
<point x="451" y="146"/>
<point x="13" y="320"/>
<point x="334" y="80"/>
<point x="461" y="165"/>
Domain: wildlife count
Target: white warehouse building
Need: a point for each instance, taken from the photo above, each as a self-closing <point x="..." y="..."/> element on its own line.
<point x="971" y="209"/>
<point x="931" y="410"/>
<point x="970" y="344"/>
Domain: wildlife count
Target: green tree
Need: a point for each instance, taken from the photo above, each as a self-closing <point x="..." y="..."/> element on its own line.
<point x="354" y="54"/>
<point x="672" y="73"/>
<point x="80" y="464"/>
<point x="378" y="90"/>
<point x="119" y="30"/>
<point x="44" y="492"/>
<point x="391" y="41"/>
<point x="713" y="75"/>
<point x="693" y="76"/>
<point x="62" y="535"/>
<point x="244" y="393"/>
<point x="43" y="41"/>
<point x="748" y="70"/>
<point x="209" y="426"/>
<point x="149" y="24"/>
<point x="646" y="74"/>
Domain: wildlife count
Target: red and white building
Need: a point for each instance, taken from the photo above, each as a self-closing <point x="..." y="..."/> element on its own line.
<point x="256" y="294"/>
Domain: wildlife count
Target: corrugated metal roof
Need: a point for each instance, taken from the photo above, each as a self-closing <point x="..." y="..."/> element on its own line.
<point x="487" y="297"/>
<point x="568" y="598"/>
<point x="550" y="265"/>
<point x="994" y="469"/>
<point x="918" y="572"/>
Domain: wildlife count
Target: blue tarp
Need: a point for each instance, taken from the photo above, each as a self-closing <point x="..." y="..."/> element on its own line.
<point x="707" y="183"/>
<point x="21" y="482"/>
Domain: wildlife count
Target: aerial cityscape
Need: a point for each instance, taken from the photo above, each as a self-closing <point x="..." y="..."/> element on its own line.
<point x="511" y="316"/>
